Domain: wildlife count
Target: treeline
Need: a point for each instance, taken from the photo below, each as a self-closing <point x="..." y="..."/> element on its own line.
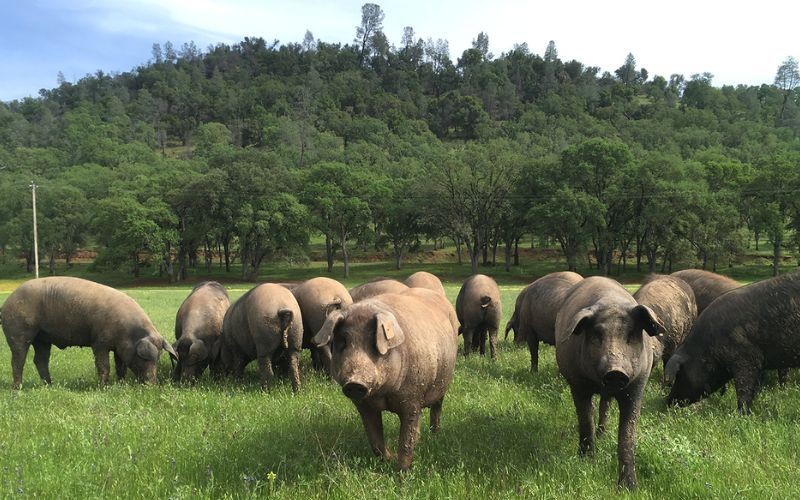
<point x="248" y="150"/>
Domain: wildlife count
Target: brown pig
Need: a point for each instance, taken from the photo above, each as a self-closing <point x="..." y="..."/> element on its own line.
<point x="422" y="279"/>
<point x="198" y="325"/>
<point x="317" y="298"/>
<point x="479" y="311"/>
<point x="65" y="312"/>
<point x="264" y="324"/>
<point x="392" y="353"/>
<point x="602" y="347"/>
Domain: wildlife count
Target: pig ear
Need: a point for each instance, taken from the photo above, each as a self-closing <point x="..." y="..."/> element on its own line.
<point x="173" y="356"/>
<point x="648" y="319"/>
<point x="388" y="333"/>
<point x="673" y="367"/>
<point x="146" y="350"/>
<point x="325" y="334"/>
<point x="580" y="320"/>
<point x="334" y="305"/>
<point x="198" y="350"/>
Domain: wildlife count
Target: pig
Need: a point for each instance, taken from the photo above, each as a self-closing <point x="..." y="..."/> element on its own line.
<point x="707" y="286"/>
<point x="479" y="310"/>
<point x="743" y="332"/>
<point x="317" y="297"/>
<point x="264" y="324"/>
<point x="602" y="347"/>
<point x="422" y="279"/>
<point x="376" y="287"/>
<point x="198" y="325"/>
<point x="534" y="318"/>
<point x="394" y="352"/>
<point x="672" y="299"/>
<point x="65" y="312"/>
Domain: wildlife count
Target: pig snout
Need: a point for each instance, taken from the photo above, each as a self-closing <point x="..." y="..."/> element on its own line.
<point x="355" y="390"/>
<point x="615" y="380"/>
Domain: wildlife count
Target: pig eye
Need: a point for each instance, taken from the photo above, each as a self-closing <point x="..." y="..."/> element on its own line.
<point x="339" y="343"/>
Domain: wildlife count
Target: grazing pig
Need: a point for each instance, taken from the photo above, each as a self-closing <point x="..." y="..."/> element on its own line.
<point x="537" y="307"/>
<point x="479" y="310"/>
<point x="65" y="312"/>
<point x="672" y="299"/>
<point x="198" y="325"/>
<point x="601" y="347"/>
<point x="743" y="332"/>
<point x="376" y="287"/>
<point x="422" y="279"/>
<point x="706" y="285"/>
<point x="394" y="352"/>
<point x="317" y="297"/>
<point x="264" y="324"/>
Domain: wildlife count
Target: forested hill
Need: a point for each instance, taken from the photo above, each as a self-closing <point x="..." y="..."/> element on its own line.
<point x="253" y="148"/>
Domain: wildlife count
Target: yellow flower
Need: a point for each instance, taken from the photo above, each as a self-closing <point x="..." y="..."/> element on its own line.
<point x="271" y="476"/>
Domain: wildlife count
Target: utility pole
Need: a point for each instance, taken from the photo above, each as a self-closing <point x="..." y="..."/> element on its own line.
<point x="35" y="232"/>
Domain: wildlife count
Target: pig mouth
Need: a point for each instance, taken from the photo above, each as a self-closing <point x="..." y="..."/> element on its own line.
<point x="355" y="390"/>
<point x="615" y="380"/>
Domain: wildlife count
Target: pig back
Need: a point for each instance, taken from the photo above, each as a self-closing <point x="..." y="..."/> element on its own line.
<point x="542" y="301"/>
<point x="764" y="316"/>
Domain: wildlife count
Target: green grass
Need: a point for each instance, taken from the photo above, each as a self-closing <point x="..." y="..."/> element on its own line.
<point x="505" y="433"/>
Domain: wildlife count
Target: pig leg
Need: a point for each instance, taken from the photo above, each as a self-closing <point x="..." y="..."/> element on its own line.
<point x="409" y="433"/>
<point x="265" y="370"/>
<point x="533" y="347"/>
<point x="41" y="358"/>
<point x="605" y="401"/>
<point x="480" y="341"/>
<point x="783" y="376"/>
<point x="294" y="369"/>
<point x="101" y="363"/>
<point x="468" y="334"/>
<point x="176" y="373"/>
<point x="630" y="404"/>
<point x="19" y="353"/>
<point x="373" y="425"/>
<point x="493" y="343"/>
<point x="120" y="367"/>
<point x="436" y="415"/>
<point x="585" y="410"/>
<point x="745" y="380"/>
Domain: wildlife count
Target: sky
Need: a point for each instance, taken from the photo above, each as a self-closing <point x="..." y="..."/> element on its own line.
<point x="737" y="42"/>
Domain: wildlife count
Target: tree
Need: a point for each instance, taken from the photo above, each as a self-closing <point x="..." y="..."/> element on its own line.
<point x="333" y="193"/>
<point x="627" y="72"/>
<point x="309" y="43"/>
<point x="787" y="79"/>
<point x="371" y="23"/>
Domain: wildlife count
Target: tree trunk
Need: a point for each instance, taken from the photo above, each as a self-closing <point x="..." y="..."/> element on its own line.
<point x="329" y="252"/>
<point x="776" y="253"/>
<point x="458" y="250"/>
<point x="226" y="249"/>
<point x="136" y="271"/>
<point x="509" y="244"/>
<point x="398" y="257"/>
<point x="755" y="233"/>
<point x="345" y="257"/>
<point x="516" y="251"/>
<point x="494" y="252"/>
<point x="52" y="264"/>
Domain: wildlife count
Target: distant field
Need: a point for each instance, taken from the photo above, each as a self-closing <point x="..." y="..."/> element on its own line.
<point x="505" y="433"/>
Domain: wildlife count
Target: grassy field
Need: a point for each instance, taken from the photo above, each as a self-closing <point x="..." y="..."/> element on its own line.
<point x="506" y="432"/>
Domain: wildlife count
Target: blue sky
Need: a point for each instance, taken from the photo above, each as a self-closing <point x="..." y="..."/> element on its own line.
<point x="39" y="38"/>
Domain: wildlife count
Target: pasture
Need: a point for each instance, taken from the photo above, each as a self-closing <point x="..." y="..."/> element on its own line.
<point x="505" y="432"/>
